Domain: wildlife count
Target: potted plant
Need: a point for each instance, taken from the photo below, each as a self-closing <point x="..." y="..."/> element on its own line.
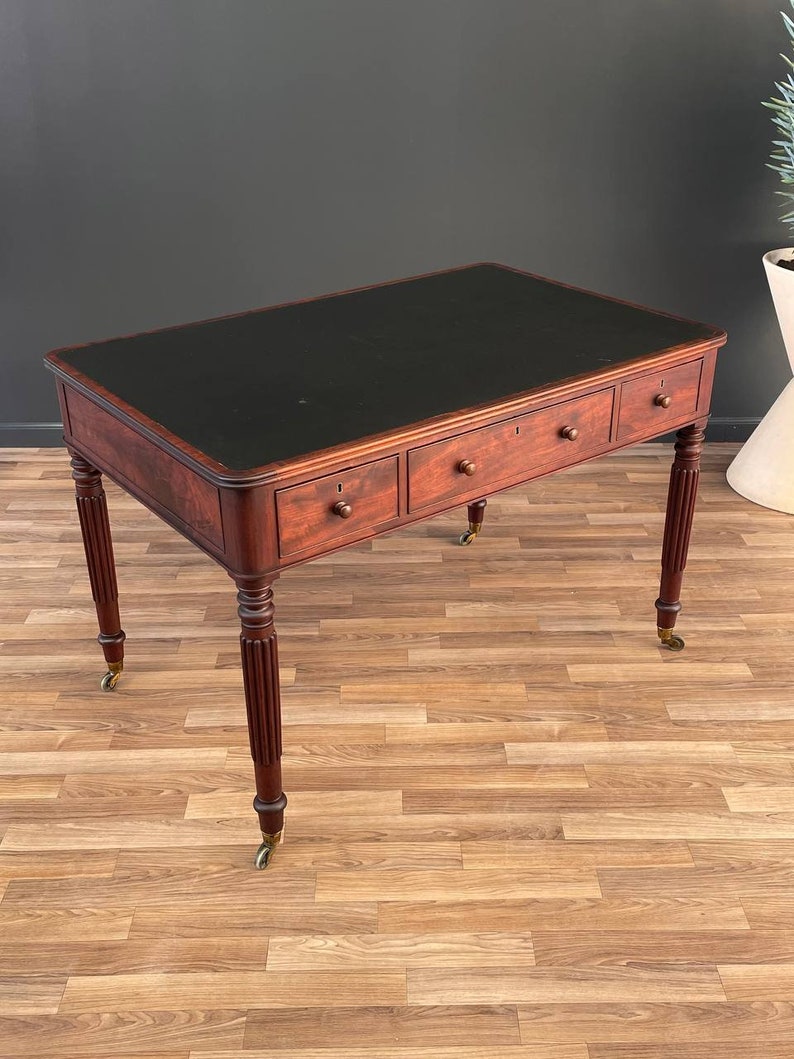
<point x="763" y="471"/>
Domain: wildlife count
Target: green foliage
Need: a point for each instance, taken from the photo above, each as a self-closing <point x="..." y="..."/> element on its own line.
<point x="782" y="107"/>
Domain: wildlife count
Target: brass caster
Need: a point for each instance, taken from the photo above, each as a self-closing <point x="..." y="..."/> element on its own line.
<point x="112" y="677"/>
<point x="468" y="535"/>
<point x="671" y="639"/>
<point x="265" y="852"/>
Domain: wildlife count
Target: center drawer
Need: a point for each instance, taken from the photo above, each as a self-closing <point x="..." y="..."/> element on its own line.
<point x="344" y="505"/>
<point x="473" y="463"/>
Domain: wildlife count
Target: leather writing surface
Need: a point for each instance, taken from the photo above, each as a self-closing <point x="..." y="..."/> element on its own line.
<point x="279" y="383"/>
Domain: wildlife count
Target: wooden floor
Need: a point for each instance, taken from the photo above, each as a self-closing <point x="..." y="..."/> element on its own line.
<point x="559" y="841"/>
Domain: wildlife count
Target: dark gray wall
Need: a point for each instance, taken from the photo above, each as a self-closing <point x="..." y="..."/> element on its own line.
<point x="165" y="160"/>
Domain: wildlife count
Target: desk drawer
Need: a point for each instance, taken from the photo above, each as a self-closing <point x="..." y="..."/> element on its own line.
<point x="649" y="403"/>
<point x="472" y="463"/>
<point x="341" y="505"/>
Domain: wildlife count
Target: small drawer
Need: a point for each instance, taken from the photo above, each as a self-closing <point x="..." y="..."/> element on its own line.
<point x="649" y="403"/>
<point x="471" y="464"/>
<point x="343" y="505"/>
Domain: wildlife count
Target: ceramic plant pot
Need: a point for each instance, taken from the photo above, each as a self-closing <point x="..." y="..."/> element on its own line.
<point x="763" y="471"/>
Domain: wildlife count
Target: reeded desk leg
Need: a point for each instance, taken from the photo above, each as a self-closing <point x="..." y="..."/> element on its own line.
<point x="263" y="702"/>
<point x="93" y="512"/>
<point x="677" y="528"/>
<point x="476" y="515"/>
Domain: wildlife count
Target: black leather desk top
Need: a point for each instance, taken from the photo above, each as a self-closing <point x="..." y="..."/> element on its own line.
<point x="279" y="383"/>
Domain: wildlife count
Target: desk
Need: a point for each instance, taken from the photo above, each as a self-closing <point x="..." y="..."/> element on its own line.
<point x="273" y="437"/>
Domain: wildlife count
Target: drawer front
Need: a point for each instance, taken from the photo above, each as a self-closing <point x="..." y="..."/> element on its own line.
<point x="649" y="403"/>
<point x="473" y="462"/>
<point x="337" y="506"/>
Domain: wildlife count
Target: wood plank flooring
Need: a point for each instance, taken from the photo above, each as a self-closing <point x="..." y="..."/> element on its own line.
<point x="557" y="840"/>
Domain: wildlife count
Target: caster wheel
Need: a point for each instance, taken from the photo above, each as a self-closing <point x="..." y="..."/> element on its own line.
<point x="466" y="537"/>
<point x="109" y="681"/>
<point x="675" y="643"/>
<point x="671" y="639"/>
<point x="263" y="856"/>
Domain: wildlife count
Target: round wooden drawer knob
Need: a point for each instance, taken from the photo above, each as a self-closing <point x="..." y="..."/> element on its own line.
<point x="342" y="509"/>
<point x="570" y="433"/>
<point x="664" y="400"/>
<point x="467" y="467"/>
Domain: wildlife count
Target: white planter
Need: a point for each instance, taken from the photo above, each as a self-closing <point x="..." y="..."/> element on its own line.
<point x="781" y="284"/>
<point x="763" y="471"/>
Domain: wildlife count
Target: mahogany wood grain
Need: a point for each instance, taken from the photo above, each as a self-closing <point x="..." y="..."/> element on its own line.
<point x="654" y="400"/>
<point x="157" y="476"/>
<point x="340" y="506"/>
<point x="681" y="497"/>
<point x="92" y="510"/>
<point x="473" y="463"/>
<point x="259" y="652"/>
<point x="476" y="514"/>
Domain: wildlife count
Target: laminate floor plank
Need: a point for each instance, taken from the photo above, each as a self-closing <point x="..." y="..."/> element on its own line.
<point x="661" y="913"/>
<point x="769" y="913"/>
<point x="759" y="981"/>
<point x="19" y="788"/>
<point x="565" y="985"/>
<point x="452" y="885"/>
<point x="469" y="750"/>
<point x="91" y="955"/>
<point x="486" y="1051"/>
<point x="770" y="1049"/>
<point x="458" y="777"/>
<point x="745" y="880"/>
<point x="752" y="798"/>
<point x="309" y="803"/>
<point x="103" y="833"/>
<point x="674" y="823"/>
<point x="518" y="828"/>
<point x="740" y="853"/>
<point x="690" y="777"/>
<point x="23" y="864"/>
<point x="217" y="989"/>
<point x="500" y="736"/>
<point x="539" y="854"/>
<point x="383" y="1026"/>
<point x="586" y="799"/>
<point x="156" y="887"/>
<point x="73" y="761"/>
<point x="637" y="1025"/>
<point x="638" y="753"/>
<point x="629" y="948"/>
<point x="392" y="951"/>
<point x="425" y="827"/>
<point x="31" y="994"/>
<point x="116" y="1054"/>
<point x="134" y="1033"/>
<point x="63" y="924"/>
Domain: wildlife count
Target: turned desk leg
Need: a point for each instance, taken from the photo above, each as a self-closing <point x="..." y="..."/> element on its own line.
<point x="92" y="510"/>
<point x="476" y="515"/>
<point x="677" y="528"/>
<point x="263" y="702"/>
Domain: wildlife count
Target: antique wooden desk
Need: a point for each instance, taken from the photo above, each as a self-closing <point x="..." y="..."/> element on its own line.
<point x="272" y="437"/>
